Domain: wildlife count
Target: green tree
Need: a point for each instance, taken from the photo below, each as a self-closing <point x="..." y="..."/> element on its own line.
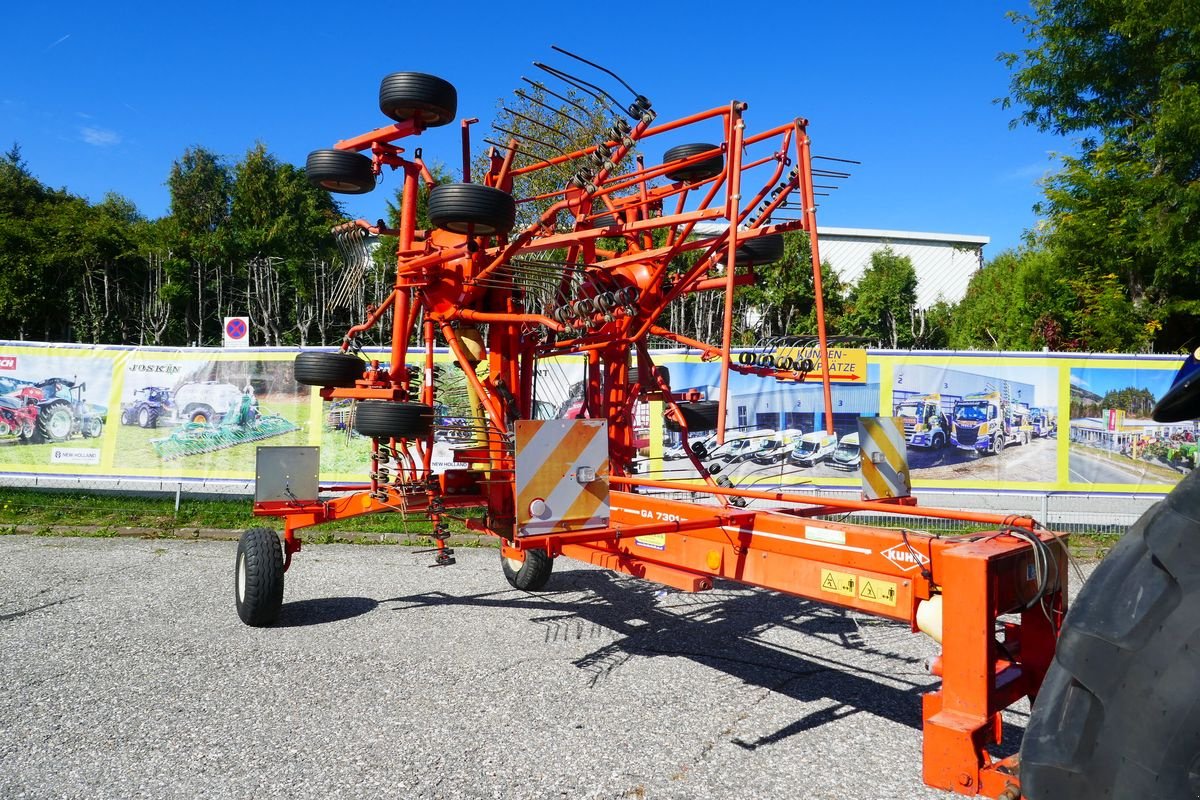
<point x="1124" y="75"/>
<point x="882" y="305"/>
<point x="200" y="184"/>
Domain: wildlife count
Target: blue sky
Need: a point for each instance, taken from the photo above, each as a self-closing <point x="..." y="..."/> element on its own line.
<point x="104" y="96"/>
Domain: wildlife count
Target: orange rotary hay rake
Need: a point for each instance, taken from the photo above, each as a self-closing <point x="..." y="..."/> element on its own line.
<point x="590" y="274"/>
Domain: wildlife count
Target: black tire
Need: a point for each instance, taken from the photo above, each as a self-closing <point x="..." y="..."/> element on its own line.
<point x="701" y="416"/>
<point x="763" y="250"/>
<point x="939" y="441"/>
<point x="414" y="95"/>
<point x="701" y="170"/>
<point x="382" y="419"/>
<point x="201" y="413"/>
<point x="340" y="171"/>
<point x="1119" y="712"/>
<point x="766" y="361"/>
<point x="94" y="428"/>
<point x="147" y="417"/>
<point x="530" y="575"/>
<point x="128" y="417"/>
<point x="998" y="446"/>
<point x="258" y="577"/>
<point x="472" y="208"/>
<point x="328" y="369"/>
<point x="603" y="221"/>
<point x="54" y="422"/>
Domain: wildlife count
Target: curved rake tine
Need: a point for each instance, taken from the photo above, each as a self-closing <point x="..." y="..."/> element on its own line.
<point x="535" y="122"/>
<point x="533" y="99"/>
<point x="553" y="93"/>
<point x="530" y="138"/>
<point x="581" y="85"/>
<point x="632" y="91"/>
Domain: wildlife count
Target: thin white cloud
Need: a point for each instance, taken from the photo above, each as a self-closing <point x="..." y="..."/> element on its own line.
<point x="59" y="41"/>
<point x="100" y="137"/>
<point x="1035" y="170"/>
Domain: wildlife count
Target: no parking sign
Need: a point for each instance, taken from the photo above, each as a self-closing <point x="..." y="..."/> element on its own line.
<point x="237" y="331"/>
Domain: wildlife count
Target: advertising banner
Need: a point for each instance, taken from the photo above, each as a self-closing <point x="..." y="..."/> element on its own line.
<point x="1036" y="422"/>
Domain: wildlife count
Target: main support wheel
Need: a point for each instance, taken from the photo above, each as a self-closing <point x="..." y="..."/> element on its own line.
<point x="763" y="250"/>
<point x="1119" y="712"/>
<point x="340" y="171"/>
<point x="258" y="577"/>
<point x="531" y="574"/>
<point x="415" y="95"/>
<point x="701" y="416"/>
<point x="328" y="369"/>
<point x="472" y="208"/>
<point x="382" y="419"/>
<point x="701" y="170"/>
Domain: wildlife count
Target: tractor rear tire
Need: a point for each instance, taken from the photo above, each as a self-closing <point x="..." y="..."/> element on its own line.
<point x="701" y="416"/>
<point x="701" y="170"/>
<point x="472" y="208"/>
<point x="414" y="95"/>
<point x="531" y="574"/>
<point x="763" y="250"/>
<point x="340" y="171"/>
<point x="382" y="419"/>
<point x="328" y="369"/>
<point x="54" y="422"/>
<point x="1119" y="712"/>
<point x="258" y="577"/>
<point x="147" y="417"/>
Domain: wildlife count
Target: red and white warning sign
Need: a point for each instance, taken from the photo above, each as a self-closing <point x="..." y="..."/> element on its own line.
<point x="562" y="475"/>
<point x="237" y="331"/>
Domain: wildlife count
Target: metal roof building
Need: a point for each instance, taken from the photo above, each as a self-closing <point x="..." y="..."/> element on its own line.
<point x="944" y="262"/>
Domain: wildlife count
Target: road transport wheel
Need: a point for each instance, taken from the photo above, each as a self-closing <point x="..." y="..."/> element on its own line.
<point x="701" y="170"/>
<point x="1119" y="712"/>
<point x="763" y="250"/>
<point x="258" y="577"/>
<point x="328" y="369"/>
<point x="531" y="574"/>
<point x="472" y="208"/>
<point x="415" y="95"/>
<point x="382" y="419"/>
<point x="652" y="384"/>
<point x="340" y="171"/>
<point x="701" y="416"/>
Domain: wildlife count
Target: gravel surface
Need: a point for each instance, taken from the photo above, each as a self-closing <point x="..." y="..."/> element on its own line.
<point x="128" y="674"/>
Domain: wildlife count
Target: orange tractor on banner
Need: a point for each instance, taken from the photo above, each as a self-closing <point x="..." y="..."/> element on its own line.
<point x="477" y="283"/>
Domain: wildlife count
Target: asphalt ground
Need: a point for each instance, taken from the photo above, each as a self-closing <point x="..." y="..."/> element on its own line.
<point x="127" y="674"/>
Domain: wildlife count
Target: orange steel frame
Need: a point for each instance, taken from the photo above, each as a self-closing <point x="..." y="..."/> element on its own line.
<point x="998" y="633"/>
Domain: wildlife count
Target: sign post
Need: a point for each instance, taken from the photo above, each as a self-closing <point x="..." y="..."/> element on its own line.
<point x="237" y="331"/>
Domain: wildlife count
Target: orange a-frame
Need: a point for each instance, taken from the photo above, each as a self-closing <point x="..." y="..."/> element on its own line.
<point x="622" y="241"/>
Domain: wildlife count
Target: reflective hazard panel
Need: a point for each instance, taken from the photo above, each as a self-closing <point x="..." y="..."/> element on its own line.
<point x="562" y="475"/>
<point x="884" y="464"/>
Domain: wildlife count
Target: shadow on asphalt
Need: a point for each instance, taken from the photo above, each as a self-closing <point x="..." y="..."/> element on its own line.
<point x="730" y="632"/>
<point x="322" y="610"/>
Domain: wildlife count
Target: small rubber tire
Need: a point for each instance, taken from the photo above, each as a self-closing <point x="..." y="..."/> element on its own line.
<point x="1119" y="712"/>
<point x="328" y="369"/>
<point x="258" y="577"/>
<point x="766" y="361"/>
<point x="699" y="171"/>
<point x="603" y="221"/>
<point x="746" y="359"/>
<point x="472" y="208"/>
<point x="383" y="419"/>
<point x="700" y="416"/>
<point x="340" y="171"/>
<point x="763" y="250"/>
<point x="427" y="99"/>
<point x="529" y="575"/>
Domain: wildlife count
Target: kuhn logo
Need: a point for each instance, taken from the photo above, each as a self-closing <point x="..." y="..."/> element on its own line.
<point x="905" y="558"/>
<point x="8" y="362"/>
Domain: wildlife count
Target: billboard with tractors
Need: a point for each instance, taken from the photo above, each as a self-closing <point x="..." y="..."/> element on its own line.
<point x="1038" y="422"/>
